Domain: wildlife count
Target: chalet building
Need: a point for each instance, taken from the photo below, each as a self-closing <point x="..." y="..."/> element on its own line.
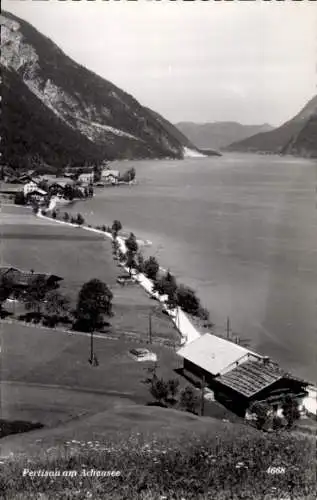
<point x="258" y="380"/>
<point x="110" y="176"/>
<point x="238" y="376"/>
<point x="30" y="187"/>
<point x="38" y="196"/>
<point x="87" y="178"/>
<point x="22" y="279"/>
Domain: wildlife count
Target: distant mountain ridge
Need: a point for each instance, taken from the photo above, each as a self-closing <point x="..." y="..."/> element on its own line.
<point x="297" y="136"/>
<point x="218" y="135"/>
<point x="68" y="113"/>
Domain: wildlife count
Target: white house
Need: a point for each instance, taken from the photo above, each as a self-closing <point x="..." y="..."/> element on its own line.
<point x="110" y="176"/>
<point x="31" y="186"/>
<point x="87" y="178"/>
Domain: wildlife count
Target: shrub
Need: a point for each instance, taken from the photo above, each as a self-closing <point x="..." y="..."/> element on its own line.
<point x="159" y="390"/>
<point x="188" y="400"/>
<point x="116" y="227"/>
<point x="103" y="228"/>
<point x="151" y="268"/>
<point x="80" y="220"/>
<point x="54" y="214"/>
<point x="290" y="410"/>
<point x="66" y="216"/>
<point x="261" y="410"/>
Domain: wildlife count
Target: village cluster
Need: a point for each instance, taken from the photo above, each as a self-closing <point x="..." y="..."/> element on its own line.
<point x="29" y="188"/>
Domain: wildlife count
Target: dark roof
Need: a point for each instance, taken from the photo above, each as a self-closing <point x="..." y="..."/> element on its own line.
<point x="21" y="277"/>
<point x="251" y="377"/>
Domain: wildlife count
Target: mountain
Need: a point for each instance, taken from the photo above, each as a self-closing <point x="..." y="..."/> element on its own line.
<point x="217" y="135"/>
<point x="305" y="142"/>
<point x="57" y="110"/>
<point x="296" y="136"/>
<point x="181" y="136"/>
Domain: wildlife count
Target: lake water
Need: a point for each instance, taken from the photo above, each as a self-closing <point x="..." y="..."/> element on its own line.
<point x="242" y="231"/>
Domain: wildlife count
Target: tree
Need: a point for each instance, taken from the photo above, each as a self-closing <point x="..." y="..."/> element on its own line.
<point x="56" y="305"/>
<point x="140" y="262"/>
<point x="187" y="300"/>
<point x="189" y="400"/>
<point x="130" y="262"/>
<point x="36" y="293"/>
<point x="94" y="301"/>
<point x="173" y="386"/>
<point x="80" y="220"/>
<point x="131" y="243"/>
<point x="132" y="248"/>
<point x="290" y="410"/>
<point x="261" y="409"/>
<point x="116" y="227"/>
<point x="115" y="246"/>
<point x="151" y="268"/>
<point x="166" y="285"/>
<point x="159" y="389"/>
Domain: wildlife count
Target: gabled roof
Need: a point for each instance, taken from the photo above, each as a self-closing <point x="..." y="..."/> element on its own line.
<point x="108" y="173"/>
<point x="214" y="354"/>
<point x="21" y="277"/>
<point x="253" y="376"/>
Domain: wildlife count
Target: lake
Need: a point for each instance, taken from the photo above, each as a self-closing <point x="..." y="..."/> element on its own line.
<point x="239" y="229"/>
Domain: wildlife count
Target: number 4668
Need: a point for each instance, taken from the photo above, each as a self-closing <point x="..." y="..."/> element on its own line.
<point x="276" y="470"/>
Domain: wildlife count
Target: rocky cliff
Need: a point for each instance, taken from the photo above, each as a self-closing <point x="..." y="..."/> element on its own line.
<point x="81" y="106"/>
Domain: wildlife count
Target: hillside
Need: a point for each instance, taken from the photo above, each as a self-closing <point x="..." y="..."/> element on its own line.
<point x="219" y="134"/>
<point x="305" y="142"/>
<point x="83" y="108"/>
<point x="284" y="139"/>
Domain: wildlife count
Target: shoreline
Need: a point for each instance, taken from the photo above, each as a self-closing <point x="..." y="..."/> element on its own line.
<point x="188" y="332"/>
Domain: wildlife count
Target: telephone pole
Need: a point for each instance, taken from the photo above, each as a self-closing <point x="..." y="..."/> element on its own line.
<point x="228" y="327"/>
<point x="150" y="328"/>
<point x="202" y="398"/>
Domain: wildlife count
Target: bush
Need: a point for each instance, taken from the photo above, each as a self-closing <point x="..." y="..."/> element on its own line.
<point x="80" y="220"/>
<point x="54" y="214"/>
<point x="103" y="228"/>
<point x="188" y="400"/>
<point x="66" y="217"/>
<point x="290" y="410"/>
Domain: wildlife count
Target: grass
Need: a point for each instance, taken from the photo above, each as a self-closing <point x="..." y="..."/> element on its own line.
<point x="78" y="256"/>
<point x="220" y="462"/>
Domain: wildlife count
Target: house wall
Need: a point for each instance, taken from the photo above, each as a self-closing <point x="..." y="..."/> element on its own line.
<point x="196" y="374"/>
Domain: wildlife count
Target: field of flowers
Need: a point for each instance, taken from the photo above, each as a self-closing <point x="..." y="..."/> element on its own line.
<point x="232" y="466"/>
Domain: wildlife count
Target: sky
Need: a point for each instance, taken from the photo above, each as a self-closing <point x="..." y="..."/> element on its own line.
<point x="252" y="62"/>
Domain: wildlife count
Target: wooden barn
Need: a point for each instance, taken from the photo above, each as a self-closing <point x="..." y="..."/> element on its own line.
<point x="238" y="376"/>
